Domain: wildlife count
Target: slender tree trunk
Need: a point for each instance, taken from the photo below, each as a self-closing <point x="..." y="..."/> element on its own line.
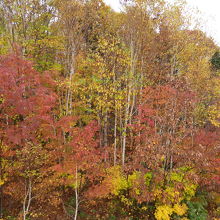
<point x="1" y="202"/>
<point x="121" y="129"/>
<point x="1" y="176"/>
<point x="1" y="189"/>
<point x="67" y="101"/>
<point x="100" y="129"/>
<point x="132" y="108"/>
<point x="115" y="138"/>
<point x="27" y="198"/>
<point x="71" y="102"/>
<point x="106" y="130"/>
<point x="124" y="134"/>
<point x="71" y="69"/>
<point x="192" y="133"/>
<point x="124" y="142"/>
<point x="76" y="196"/>
<point x="106" y="134"/>
<point x="128" y="109"/>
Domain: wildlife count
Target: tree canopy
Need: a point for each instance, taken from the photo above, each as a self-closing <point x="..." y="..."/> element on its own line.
<point x="107" y="115"/>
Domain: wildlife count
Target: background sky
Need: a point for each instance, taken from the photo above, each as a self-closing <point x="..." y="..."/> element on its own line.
<point x="210" y="15"/>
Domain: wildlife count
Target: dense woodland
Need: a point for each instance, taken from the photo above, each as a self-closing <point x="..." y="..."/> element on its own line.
<point x="107" y="115"/>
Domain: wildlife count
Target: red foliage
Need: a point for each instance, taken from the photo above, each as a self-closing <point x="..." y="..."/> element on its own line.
<point x="166" y="136"/>
<point x="25" y="104"/>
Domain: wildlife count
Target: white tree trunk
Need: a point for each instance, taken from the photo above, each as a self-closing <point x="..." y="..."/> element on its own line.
<point x="27" y="198"/>
<point x="76" y="195"/>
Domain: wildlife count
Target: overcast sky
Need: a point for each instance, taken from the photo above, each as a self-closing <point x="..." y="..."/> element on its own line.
<point x="210" y="10"/>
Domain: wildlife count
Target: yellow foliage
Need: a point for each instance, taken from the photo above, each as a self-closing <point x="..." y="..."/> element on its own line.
<point x="178" y="177"/>
<point x="144" y="208"/>
<point x="163" y="212"/>
<point x="1" y="182"/>
<point x="180" y="209"/>
<point x="214" y="115"/>
<point x="117" y="180"/>
<point x="172" y="194"/>
<point x="74" y="181"/>
<point x="190" y="191"/>
<point x="126" y="201"/>
<point x="157" y="193"/>
<point x="132" y="178"/>
<point x="137" y="191"/>
<point x="148" y="177"/>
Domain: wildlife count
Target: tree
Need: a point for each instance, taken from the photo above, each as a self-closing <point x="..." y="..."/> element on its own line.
<point x="26" y="105"/>
<point x="116" y="117"/>
<point x="215" y="60"/>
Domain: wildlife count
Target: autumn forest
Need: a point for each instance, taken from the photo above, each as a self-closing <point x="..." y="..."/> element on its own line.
<point x="107" y="115"/>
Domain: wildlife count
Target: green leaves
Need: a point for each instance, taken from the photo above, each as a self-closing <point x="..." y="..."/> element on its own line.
<point x="197" y="211"/>
<point x="215" y="61"/>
